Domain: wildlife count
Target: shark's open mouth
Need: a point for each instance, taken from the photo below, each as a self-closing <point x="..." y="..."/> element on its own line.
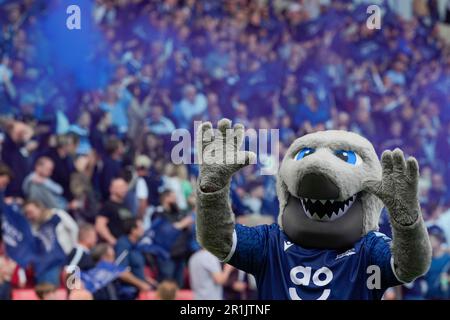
<point x="326" y="210"/>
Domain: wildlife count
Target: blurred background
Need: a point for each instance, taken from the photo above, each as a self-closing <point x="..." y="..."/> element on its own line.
<point x="86" y="118"/>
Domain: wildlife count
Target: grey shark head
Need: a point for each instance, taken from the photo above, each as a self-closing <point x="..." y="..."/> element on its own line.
<point x="320" y="186"/>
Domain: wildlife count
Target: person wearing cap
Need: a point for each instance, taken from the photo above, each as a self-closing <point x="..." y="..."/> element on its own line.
<point x="438" y="277"/>
<point x="142" y="164"/>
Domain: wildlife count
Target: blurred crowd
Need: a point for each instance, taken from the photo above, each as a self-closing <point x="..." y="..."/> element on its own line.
<point x="86" y="131"/>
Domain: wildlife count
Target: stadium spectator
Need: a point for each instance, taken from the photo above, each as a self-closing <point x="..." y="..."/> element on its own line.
<point x="206" y="276"/>
<point x="58" y="233"/>
<point x="126" y="246"/>
<point x="110" y="221"/>
<point x="254" y="200"/>
<point x="138" y="112"/>
<point x="153" y="147"/>
<point x="175" y="179"/>
<point x="39" y="186"/>
<point x="437" y="191"/>
<point x="80" y="256"/>
<point x="105" y="252"/>
<point x="46" y="291"/>
<point x="16" y="150"/>
<point x="5" y="179"/>
<point x="193" y="104"/>
<point x="443" y="221"/>
<point x="438" y="277"/>
<point x="167" y="290"/>
<point x="142" y="165"/>
<point x="112" y="165"/>
<point x="80" y="131"/>
<point x="311" y="113"/>
<point x="100" y="132"/>
<point x="159" y="124"/>
<point x="177" y="232"/>
<point x="80" y="294"/>
<point x="236" y="287"/>
<point x="116" y="102"/>
<point x="61" y="156"/>
<point x="130" y="255"/>
<point x="85" y="203"/>
<point x="7" y="268"/>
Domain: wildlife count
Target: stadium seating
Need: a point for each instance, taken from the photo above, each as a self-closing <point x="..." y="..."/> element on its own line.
<point x="30" y="294"/>
<point x="61" y="294"/>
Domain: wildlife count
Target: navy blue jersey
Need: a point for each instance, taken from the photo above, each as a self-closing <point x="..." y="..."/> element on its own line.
<point x="286" y="271"/>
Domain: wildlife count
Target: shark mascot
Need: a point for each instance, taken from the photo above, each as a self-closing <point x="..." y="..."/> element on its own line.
<point x="331" y="188"/>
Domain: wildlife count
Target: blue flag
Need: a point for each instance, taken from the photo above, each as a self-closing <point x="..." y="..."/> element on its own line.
<point x="103" y="274"/>
<point x="159" y="239"/>
<point x="42" y="250"/>
<point x="19" y="241"/>
<point x="49" y="252"/>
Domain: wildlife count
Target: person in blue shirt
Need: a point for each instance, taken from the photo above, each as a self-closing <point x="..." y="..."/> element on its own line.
<point x="311" y="113"/>
<point x="331" y="188"/>
<point x="129" y="256"/>
<point x="126" y="245"/>
<point x="116" y="103"/>
<point x="438" y="277"/>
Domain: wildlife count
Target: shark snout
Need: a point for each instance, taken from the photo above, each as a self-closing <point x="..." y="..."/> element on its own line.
<point x="317" y="186"/>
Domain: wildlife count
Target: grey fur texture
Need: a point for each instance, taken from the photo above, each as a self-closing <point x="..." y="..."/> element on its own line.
<point x="215" y="219"/>
<point x="392" y="183"/>
<point x="398" y="189"/>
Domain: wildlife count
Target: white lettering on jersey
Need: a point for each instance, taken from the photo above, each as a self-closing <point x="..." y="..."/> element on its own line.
<point x="305" y="280"/>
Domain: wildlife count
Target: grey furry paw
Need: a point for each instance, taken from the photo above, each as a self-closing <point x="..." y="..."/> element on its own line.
<point x="398" y="188"/>
<point x="219" y="154"/>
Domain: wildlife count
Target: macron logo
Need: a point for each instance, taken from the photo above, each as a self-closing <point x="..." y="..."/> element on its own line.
<point x="287" y="245"/>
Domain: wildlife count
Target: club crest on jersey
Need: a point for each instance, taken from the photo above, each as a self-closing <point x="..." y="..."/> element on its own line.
<point x="302" y="276"/>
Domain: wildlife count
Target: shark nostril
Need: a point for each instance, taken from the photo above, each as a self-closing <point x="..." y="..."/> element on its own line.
<point x="316" y="186"/>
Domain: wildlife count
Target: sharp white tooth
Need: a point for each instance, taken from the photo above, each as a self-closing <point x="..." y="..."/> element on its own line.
<point x="304" y="208"/>
<point x="306" y="211"/>
<point x="340" y="213"/>
<point x="313" y="200"/>
<point x="323" y="201"/>
<point x="316" y="216"/>
<point x="332" y="201"/>
<point x="325" y="218"/>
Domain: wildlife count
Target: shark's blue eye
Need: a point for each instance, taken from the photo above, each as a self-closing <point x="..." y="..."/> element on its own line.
<point x="304" y="153"/>
<point x="348" y="156"/>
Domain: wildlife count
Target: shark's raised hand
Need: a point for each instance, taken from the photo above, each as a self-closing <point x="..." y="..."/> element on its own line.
<point x="398" y="188"/>
<point x="220" y="155"/>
